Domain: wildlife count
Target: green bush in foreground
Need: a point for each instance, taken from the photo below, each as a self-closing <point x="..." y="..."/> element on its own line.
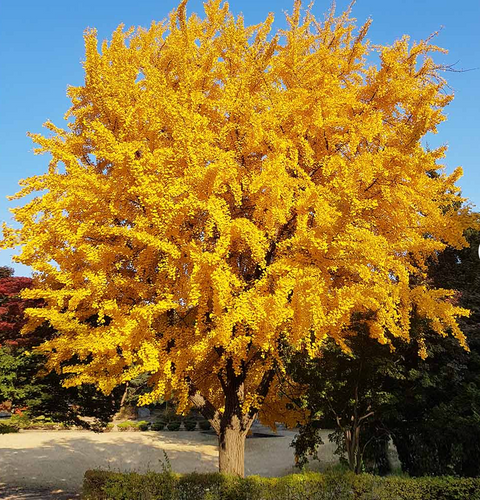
<point x="103" y="485"/>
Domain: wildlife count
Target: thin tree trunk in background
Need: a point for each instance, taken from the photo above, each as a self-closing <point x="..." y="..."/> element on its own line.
<point x="352" y="444"/>
<point x="122" y="402"/>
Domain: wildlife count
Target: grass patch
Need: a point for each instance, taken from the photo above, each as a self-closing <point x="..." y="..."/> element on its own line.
<point x="130" y="425"/>
<point x="39" y="423"/>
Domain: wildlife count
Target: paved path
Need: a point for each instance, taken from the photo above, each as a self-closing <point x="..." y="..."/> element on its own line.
<point x="23" y="493"/>
<point x="51" y="463"/>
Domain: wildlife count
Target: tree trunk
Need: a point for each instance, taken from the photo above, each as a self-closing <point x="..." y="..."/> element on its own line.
<point x="352" y="443"/>
<point x="231" y="449"/>
<point x="122" y="402"/>
<point x="231" y="425"/>
<point x="358" y="458"/>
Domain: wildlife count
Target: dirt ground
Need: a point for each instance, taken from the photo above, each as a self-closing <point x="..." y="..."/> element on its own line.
<point x="52" y="464"/>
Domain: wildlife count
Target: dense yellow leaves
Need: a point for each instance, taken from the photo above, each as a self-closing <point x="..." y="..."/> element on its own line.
<point x="220" y="192"/>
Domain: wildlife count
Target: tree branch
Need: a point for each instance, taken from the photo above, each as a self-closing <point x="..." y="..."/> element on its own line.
<point x="204" y="406"/>
<point x="366" y="416"/>
<point x="262" y="390"/>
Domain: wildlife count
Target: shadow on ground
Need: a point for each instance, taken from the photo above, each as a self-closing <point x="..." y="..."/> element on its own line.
<point x="57" y="461"/>
<point x="23" y="493"/>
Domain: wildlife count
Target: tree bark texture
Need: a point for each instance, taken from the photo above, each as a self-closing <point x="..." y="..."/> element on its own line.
<point x="352" y="442"/>
<point x="232" y="425"/>
<point x="231" y="449"/>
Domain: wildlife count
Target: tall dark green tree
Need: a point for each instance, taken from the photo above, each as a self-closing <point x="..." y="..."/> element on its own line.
<point x="436" y="423"/>
<point x="345" y="392"/>
<point x="429" y="408"/>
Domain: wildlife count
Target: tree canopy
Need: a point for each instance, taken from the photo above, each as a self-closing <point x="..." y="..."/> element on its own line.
<point x="221" y="192"/>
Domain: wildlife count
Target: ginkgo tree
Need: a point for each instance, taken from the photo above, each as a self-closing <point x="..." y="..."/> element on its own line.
<point x="222" y="191"/>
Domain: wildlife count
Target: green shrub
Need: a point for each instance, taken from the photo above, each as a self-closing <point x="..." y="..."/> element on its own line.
<point x="21" y="421"/>
<point x="169" y="415"/>
<point x="47" y="425"/>
<point x="173" y="425"/>
<point x="367" y="487"/>
<point x="131" y="486"/>
<point x="190" y="425"/>
<point x="159" y="425"/>
<point x="24" y="421"/>
<point x="204" y="425"/>
<point x="143" y="425"/>
<point x="103" y="485"/>
<point x="129" y="425"/>
<point x="8" y="429"/>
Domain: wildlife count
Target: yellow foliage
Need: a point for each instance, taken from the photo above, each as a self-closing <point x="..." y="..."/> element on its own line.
<point x="220" y="192"/>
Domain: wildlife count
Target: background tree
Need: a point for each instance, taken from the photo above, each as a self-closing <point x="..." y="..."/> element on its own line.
<point x="347" y="392"/>
<point x="6" y="272"/>
<point x="430" y="408"/>
<point x="22" y="385"/>
<point x="220" y="194"/>
<point x="12" y="306"/>
<point x="435" y="416"/>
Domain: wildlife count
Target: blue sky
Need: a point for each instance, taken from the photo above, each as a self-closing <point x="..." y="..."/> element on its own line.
<point x="41" y="48"/>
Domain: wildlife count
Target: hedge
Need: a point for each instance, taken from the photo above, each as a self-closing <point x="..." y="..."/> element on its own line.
<point x="8" y="429"/>
<point x="129" y="425"/>
<point x="106" y="485"/>
<point x="38" y="423"/>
